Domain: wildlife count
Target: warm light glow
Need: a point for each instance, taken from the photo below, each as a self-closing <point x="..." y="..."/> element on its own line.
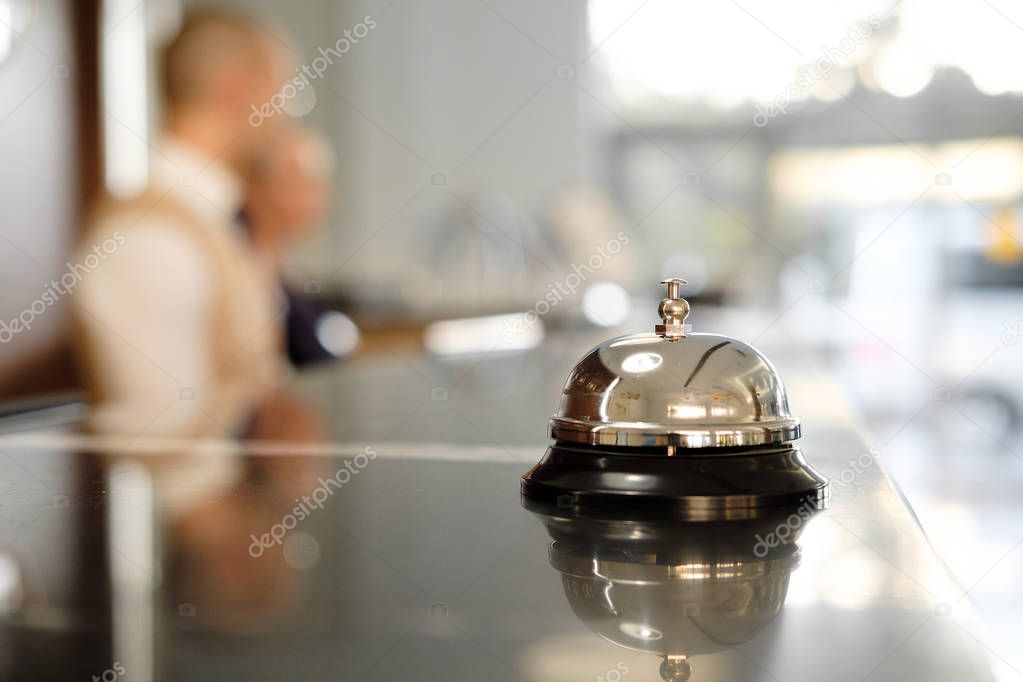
<point x="605" y="304"/>
<point x="6" y="34"/>
<point x="337" y="333"/>
<point x="640" y="631"/>
<point x="124" y="96"/>
<point x="901" y="72"/>
<point x="638" y="363"/>
<point x="728" y="54"/>
<point x="990" y="51"/>
<point x="980" y="170"/>
<point x="694" y="411"/>
<point x="478" y="335"/>
<point x="10" y="585"/>
<point x="15" y="17"/>
<point x="725" y="53"/>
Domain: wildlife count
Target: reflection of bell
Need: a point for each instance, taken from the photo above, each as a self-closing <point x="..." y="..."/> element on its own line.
<point x="696" y="422"/>
<point x="675" y="669"/>
<point x="673" y="589"/>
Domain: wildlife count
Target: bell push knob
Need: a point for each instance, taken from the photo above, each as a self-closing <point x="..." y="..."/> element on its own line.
<point x="673" y="311"/>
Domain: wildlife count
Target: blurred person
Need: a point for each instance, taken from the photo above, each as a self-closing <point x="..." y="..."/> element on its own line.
<point x="288" y="188"/>
<point x="287" y="196"/>
<point x="180" y="325"/>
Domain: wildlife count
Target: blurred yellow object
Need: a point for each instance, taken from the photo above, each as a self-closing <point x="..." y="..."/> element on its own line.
<point x="1005" y="247"/>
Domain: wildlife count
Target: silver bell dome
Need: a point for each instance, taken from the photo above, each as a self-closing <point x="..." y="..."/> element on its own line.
<point x="676" y="389"/>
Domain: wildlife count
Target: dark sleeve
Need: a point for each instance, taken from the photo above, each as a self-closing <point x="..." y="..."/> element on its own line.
<point x="303" y="345"/>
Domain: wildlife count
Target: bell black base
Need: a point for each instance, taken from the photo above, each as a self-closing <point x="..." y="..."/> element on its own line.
<point x="692" y="484"/>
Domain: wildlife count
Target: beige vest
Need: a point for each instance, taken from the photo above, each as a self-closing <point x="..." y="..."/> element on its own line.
<point x="246" y="334"/>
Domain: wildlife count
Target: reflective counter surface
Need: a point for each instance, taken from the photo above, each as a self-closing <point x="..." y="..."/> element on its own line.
<point x="366" y="524"/>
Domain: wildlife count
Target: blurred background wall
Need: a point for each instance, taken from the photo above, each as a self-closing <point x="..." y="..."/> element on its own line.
<point x="431" y="126"/>
<point x="41" y="182"/>
<point x="847" y="177"/>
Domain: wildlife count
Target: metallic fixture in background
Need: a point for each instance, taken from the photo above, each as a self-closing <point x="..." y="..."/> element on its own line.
<point x="479" y="254"/>
<point x="699" y="420"/>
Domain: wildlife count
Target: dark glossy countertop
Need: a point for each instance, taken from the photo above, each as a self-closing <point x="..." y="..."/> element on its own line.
<point x="418" y="561"/>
